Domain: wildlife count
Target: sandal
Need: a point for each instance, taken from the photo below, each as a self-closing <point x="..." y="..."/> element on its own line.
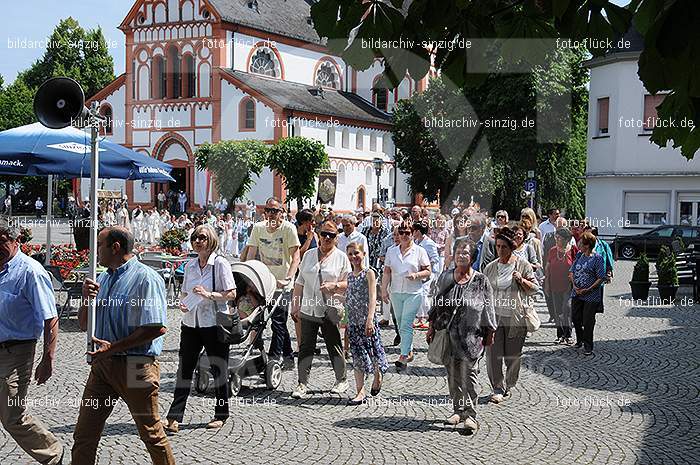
<point x="454" y="420"/>
<point x="171" y="426"/>
<point x="215" y="424"/>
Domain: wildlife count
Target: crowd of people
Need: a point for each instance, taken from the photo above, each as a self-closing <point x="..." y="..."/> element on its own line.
<point x="468" y="280"/>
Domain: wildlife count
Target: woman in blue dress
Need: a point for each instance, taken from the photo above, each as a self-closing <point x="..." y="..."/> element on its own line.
<point x="368" y="355"/>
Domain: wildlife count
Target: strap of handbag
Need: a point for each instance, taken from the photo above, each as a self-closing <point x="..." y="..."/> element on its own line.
<point x="213" y="283"/>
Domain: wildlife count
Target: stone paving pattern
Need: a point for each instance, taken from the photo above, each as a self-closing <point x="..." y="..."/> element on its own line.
<point x="634" y="401"/>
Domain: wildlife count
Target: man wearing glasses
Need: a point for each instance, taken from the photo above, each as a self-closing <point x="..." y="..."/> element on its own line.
<point x="277" y="243"/>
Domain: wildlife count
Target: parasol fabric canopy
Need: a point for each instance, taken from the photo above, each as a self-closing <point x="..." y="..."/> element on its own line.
<point x="35" y="150"/>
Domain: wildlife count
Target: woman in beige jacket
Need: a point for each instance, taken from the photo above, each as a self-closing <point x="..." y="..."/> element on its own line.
<point x="513" y="282"/>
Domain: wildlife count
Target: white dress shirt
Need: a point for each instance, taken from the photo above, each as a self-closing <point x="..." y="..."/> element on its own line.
<point x="204" y="313"/>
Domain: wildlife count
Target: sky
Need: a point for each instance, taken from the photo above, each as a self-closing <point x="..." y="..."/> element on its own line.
<point x="34" y="20"/>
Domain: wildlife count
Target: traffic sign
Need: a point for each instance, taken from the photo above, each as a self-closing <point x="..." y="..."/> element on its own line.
<point x="531" y="185"/>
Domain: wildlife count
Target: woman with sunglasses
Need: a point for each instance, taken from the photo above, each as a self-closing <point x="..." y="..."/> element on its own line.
<point x="198" y="327"/>
<point x="318" y="291"/>
<point x="405" y="267"/>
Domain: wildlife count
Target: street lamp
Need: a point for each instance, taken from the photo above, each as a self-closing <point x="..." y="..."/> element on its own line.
<point x="378" y="163"/>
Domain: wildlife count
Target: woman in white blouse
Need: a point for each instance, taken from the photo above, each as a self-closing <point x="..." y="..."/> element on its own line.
<point x="405" y="267"/>
<point x="321" y="282"/>
<point x="199" y="304"/>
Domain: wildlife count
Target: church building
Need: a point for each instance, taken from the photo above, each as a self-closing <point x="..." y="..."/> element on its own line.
<point x="201" y="71"/>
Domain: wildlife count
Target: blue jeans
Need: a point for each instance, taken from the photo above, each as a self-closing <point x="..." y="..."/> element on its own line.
<point x="281" y="343"/>
<point x="405" y="308"/>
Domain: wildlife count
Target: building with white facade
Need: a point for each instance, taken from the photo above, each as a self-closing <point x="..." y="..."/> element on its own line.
<point x="632" y="185"/>
<point x="202" y="71"/>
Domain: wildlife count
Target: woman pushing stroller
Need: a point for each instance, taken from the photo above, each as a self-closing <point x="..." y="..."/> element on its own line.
<point x="208" y="284"/>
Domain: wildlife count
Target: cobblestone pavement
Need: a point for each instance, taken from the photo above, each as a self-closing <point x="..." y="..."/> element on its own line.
<point x="634" y="401"/>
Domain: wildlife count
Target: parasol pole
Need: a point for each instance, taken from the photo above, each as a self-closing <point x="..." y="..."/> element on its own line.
<point x="49" y="214"/>
<point x="94" y="176"/>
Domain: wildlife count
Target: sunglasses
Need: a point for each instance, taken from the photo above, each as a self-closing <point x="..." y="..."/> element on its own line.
<point x="405" y="232"/>
<point x="327" y="235"/>
<point x="500" y="216"/>
<point x="200" y="237"/>
<point x="272" y="210"/>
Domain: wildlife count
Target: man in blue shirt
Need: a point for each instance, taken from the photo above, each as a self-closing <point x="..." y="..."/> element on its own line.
<point x="27" y="309"/>
<point x="130" y="319"/>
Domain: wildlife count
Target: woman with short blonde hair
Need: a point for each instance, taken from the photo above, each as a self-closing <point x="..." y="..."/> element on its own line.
<point x="208" y="277"/>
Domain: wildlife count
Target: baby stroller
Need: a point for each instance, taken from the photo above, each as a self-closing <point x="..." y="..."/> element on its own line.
<point x="255" y="286"/>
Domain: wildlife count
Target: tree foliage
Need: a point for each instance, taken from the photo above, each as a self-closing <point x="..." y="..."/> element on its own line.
<point x="668" y="62"/>
<point x="75" y="53"/>
<point x="300" y="161"/>
<point x="481" y="141"/>
<point x="233" y="163"/>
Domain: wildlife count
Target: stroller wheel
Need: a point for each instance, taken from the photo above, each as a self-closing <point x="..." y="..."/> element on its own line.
<point x="201" y="381"/>
<point x="273" y="374"/>
<point x="234" y="384"/>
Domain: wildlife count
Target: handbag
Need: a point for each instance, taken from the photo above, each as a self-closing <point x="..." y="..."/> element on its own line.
<point x="439" y="349"/>
<point x="228" y="324"/>
<point x="333" y="313"/>
<point x="532" y="320"/>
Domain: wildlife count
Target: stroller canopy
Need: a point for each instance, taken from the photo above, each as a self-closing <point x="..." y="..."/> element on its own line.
<point x="257" y="273"/>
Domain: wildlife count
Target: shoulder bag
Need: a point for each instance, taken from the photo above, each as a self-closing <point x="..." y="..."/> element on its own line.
<point x="439" y="349"/>
<point x="532" y="320"/>
<point x="228" y="324"/>
<point x="334" y="311"/>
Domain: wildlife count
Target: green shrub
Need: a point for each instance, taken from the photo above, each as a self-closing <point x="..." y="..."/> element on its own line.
<point x="641" y="269"/>
<point x="666" y="268"/>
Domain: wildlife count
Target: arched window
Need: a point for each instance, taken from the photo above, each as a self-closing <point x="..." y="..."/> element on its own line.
<point x="107" y="124"/>
<point x="359" y="140"/>
<point x="188" y="83"/>
<point x="391" y="177"/>
<point x="330" y="138"/>
<point x="265" y="62"/>
<point x="158" y="77"/>
<point x="368" y="175"/>
<point x="373" y="142"/>
<point x="341" y="174"/>
<point x="246" y="115"/>
<point x="174" y="76"/>
<point x="385" y="142"/>
<point x="345" y="138"/>
<point x="380" y="97"/>
<point x="327" y="75"/>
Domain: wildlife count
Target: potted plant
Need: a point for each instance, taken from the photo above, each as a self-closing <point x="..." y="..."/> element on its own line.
<point x="668" y="274"/>
<point x="640" y="278"/>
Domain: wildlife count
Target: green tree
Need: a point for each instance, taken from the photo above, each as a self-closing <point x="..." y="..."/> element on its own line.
<point x="299" y="160"/>
<point x="472" y="141"/>
<point x="75" y="53"/>
<point x="233" y="163"/>
<point x="668" y="62"/>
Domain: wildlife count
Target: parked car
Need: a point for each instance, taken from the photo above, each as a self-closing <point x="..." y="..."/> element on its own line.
<point x="651" y="241"/>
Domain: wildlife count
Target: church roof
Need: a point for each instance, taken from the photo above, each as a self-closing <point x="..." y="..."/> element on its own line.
<point x="289" y="18"/>
<point x="635" y="39"/>
<point x="304" y="98"/>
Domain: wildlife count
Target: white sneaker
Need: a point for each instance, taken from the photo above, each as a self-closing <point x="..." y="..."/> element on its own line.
<point x="340" y="387"/>
<point x="300" y="391"/>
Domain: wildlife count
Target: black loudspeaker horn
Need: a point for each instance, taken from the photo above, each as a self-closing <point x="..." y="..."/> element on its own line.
<point x="59" y="102"/>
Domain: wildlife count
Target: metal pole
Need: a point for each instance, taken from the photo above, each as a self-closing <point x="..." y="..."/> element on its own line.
<point x="49" y="215"/>
<point x="95" y="173"/>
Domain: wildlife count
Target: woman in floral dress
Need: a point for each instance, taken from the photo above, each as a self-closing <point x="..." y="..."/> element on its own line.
<point x="368" y="355"/>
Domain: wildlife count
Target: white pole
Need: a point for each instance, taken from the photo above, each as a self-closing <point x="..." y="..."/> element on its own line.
<point x="49" y="214"/>
<point x="95" y="149"/>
